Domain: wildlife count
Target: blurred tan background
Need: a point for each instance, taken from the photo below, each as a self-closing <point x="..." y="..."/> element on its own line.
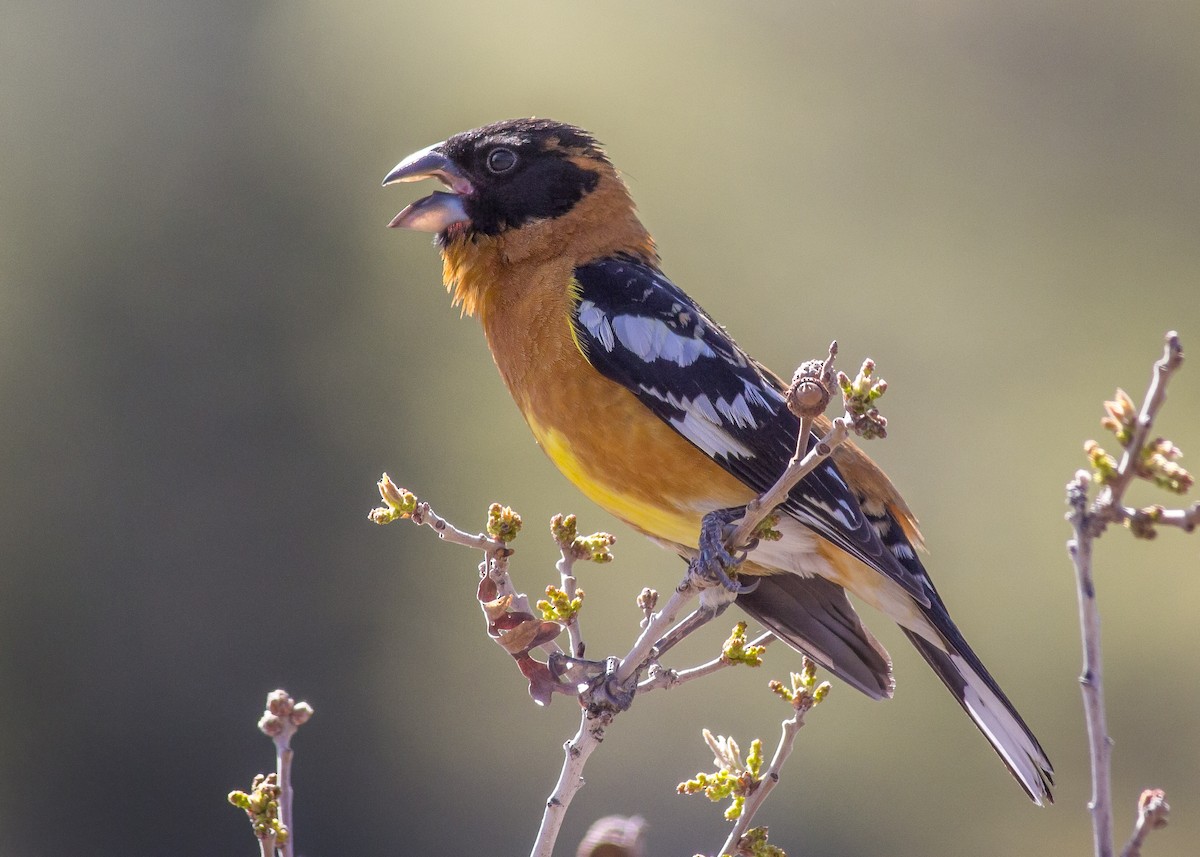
<point x="210" y="346"/>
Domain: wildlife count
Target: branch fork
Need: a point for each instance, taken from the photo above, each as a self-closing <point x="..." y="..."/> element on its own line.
<point x="605" y="688"/>
<point x="1148" y="460"/>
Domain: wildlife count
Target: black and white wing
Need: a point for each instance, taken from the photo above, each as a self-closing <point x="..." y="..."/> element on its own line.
<point x="639" y="329"/>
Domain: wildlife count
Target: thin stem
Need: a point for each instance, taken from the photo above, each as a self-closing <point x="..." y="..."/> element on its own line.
<point x="565" y="566"/>
<point x="1186" y="519"/>
<point x="665" y="678"/>
<point x="1153" y="812"/>
<point x="1092" y="686"/>
<point x="659" y="624"/>
<point x="770" y="779"/>
<point x="446" y="531"/>
<point x="763" y="505"/>
<point x="1088" y="524"/>
<point x="1156" y="395"/>
<point x="570" y="779"/>
<point x="266" y="845"/>
<point x="283" y="770"/>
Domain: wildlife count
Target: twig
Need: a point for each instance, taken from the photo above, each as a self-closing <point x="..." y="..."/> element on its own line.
<point x="1186" y="519"/>
<point x="659" y="624"/>
<point x="1153" y="812"/>
<point x="1112" y="493"/>
<point x="1088" y="523"/>
<point x="808" y="397"/>
<point x="401" y="503"/>
<point x="570" y="779"/>
<point x="279" y="722"/>
<point x="763" y="505"/>
<point x="266" y="844"/>
<point x="565" y="566"/>
<point x="269" y="803"/>
<point x="803" y="695"/>
<point x="1091" y="679"/>
<point x="770" y="779"/>
<point x="665" y="678"/>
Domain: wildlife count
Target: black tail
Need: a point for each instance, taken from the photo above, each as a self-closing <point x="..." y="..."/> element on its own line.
<point x="814" y="616"/>
<point x="985" y="703"/>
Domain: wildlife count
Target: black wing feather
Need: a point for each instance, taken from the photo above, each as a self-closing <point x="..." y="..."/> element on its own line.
<point x="639" y="329"/>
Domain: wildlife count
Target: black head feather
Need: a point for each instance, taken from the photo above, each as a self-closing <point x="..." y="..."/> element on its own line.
<point x="539" y="180"/>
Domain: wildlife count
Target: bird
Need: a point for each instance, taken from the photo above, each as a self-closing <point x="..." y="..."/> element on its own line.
<point x="655" y="413"/>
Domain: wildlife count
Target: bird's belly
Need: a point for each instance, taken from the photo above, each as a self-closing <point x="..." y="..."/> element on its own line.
<point x="640" y="470"/>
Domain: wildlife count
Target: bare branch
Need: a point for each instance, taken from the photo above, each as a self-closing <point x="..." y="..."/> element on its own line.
<point x="570" y="779"/>
<point x="1091" y="679"/>
<point x="1185" y="519"/>
<point x="661" y="677"/>
<point x="1088" y="522"/>
<point x="400" y="503"/>
<point x="1111" y="495"/>
<point x="660" y="623"/>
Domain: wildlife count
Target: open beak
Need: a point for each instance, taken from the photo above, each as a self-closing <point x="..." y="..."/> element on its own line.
<point x="440" y="210"/>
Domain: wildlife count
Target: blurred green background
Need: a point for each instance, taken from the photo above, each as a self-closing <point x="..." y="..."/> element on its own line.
<point x="210" y="347"/>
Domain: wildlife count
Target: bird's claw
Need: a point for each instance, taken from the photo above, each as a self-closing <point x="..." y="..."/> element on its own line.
<point x="715" y="561"/>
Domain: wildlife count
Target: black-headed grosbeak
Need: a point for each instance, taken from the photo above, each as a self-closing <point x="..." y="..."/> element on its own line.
<point x="656" y="414"/>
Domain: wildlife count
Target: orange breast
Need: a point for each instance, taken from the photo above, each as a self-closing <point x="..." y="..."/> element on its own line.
<point x="599" y="435"/>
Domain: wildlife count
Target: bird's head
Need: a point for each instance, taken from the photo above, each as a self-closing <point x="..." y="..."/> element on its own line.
<point x="517" y="191"/>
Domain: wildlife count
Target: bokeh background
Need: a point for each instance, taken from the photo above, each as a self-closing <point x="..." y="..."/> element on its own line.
<point x="210" y="347"/>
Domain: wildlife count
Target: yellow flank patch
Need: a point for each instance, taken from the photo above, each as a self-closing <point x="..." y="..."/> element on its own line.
<point x="659" y="520"/>
<point x="573" y="296"/>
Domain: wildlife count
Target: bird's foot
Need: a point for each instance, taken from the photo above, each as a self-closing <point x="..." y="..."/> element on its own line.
<point x="713" y="565"/>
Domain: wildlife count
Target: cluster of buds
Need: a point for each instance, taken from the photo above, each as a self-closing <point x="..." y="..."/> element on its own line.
<point x="732" y="778"/>
<point x="262" y="807"/>
<point x="557" y="606"/>
<point x="860" y="396"/>
<point x="1120" y="417"/>
<point x="283" y="714"/>
<point x="398" y="503"/>
<point x="753" y="843"/>
<point x="804" y="692"/>
<point x="593" y="548"/>
<point x="1158" y="463"/>
<point x="503" y="523"/>
<point x="735" y="650"/>
<point x="1153" y="809"/>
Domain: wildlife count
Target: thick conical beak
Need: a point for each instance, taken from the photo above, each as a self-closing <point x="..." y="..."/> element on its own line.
<point x="438" y="211"/>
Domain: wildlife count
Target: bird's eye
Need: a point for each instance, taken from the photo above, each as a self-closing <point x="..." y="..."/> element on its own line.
<point x="501" y="160"/>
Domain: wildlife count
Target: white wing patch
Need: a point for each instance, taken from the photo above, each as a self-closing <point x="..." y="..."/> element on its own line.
<point x="703" y="421"/>
<point x="903" y="552"/>
<point x="754" y="394"/>
<point x="651" y="339"/>
<point x="844" y="513"/>
<point x="596" y="322"/>
<point x="737" y="412"/>
<point x="709" y="436"/>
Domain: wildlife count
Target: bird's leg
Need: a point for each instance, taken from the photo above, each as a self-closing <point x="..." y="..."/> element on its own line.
<point x="715" y="561"/>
